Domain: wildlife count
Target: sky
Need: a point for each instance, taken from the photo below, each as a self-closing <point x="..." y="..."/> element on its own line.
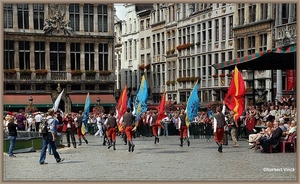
<point x="120" y="10"/>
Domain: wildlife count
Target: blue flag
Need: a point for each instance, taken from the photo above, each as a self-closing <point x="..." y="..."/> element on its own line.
<point x="129" y="102"/>
<point x="140" y="103"/>
<point x="192" y="105"/>
<point x="86" y="114"/>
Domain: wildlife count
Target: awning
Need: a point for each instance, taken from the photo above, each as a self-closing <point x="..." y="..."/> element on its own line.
<point x="78" y="100"/>
<point x="21" y="100"/>
<point x="277" y="58"/>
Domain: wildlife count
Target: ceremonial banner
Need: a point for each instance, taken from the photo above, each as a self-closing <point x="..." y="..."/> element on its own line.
<point x="161" y="110"/>
<point x="290" y="76"/>
<point x="86" y="114"/>
<point x="234" y="99"/>
<point x="57" y="101"/>
<point x="122" y="106"/>
<point x="140" y="103"/>
<point x="192" y="105"/>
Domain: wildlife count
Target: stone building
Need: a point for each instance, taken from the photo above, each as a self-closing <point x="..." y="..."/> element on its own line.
<point x="50" y="47"/>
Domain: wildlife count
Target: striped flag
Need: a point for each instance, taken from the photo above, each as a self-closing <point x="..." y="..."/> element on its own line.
<point x="234" y="99"/>
<point x="192" y="105"/>
<point x="86" y="114"/>
<point x="57" y="101"/>
<point x="121" y="106"/>
<point x="161" y="110"/>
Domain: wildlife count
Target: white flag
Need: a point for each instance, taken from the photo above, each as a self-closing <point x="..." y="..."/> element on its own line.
<point x="57" y="101"/>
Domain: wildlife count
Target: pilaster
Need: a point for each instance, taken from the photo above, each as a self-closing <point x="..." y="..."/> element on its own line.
<point x="15" y="18"/>
<point x="96" y="18"/>
<point x="246" y="13"/>
<point x="16" y="56"/>
<point x="81" y="24"/>
<point x="32" y="55"/>
<point x="31" y="23"/>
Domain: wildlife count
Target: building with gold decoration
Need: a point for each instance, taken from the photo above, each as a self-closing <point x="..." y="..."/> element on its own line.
<point x="53" y="47"/>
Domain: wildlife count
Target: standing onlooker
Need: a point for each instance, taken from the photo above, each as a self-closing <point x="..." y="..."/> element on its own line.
<point x="128" y="120"/>
<point x="69" y="128"/>
<point x="31" y="123"/>
<point x="111" y="125"/>
<point x="38" y="119"/>
<point x="166" y="122"/>
<point x="250" y="124"/>
<point x="234" y="129"/>
<point x="99" y="125"/>
<point x="12" y="135"/>
<point x="219" y="123"/>
<point x="147" y="124"/>
<point x="50" y="138"/>
<point x="21" y="120"/>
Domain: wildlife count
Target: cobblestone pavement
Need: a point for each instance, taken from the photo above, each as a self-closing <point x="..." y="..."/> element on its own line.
<point x="165" y="161"/>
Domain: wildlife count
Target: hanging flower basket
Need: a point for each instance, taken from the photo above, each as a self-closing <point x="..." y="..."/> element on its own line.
<point x="147" y="67"/>
<point x="41" y="71"/>
<point x="25" y="71"/>
<point x="105" y="72"/>
<point x="173" y="83"/>
<point x="168" y="83"/>
<point x="76" y="72"/>
<point x="229" y="75"/>
<point x="10" y="71"/>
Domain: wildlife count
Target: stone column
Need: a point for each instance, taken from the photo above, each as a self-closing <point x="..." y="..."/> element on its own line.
<point x="110" y="57"/>
<point x="246" y="13"/>
<point x="31" y="24"/>
<point x="291" y="12"/>
<point x="258" y="12"/>
<point x="46" y="10"/>
<point x="15" y="18"/>
<point x="257" y="42"/>
<point x="47" y="58"/>
<point x="246" y="45"/>
<point x="96" y="29"/>
<point x="235" y="15"/>
<point x="32" y="56"/>
<point x="82" y="62"/>
<point x="110" y="19"/>
<point x="16" y="56"/>
<point x="270" y="10"/>
<point x="68" y="61"/>
<point x="67" y="17"/>
<point x="81" y="22"/>
<point x="96" y="56"/>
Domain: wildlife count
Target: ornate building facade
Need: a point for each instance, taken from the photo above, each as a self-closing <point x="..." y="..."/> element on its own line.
<point x="70" y="46"/>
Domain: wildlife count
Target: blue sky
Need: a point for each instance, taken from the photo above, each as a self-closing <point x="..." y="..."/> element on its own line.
<point x="120" y="10"/>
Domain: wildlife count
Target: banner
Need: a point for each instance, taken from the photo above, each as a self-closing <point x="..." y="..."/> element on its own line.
<point x="290" y="80"/>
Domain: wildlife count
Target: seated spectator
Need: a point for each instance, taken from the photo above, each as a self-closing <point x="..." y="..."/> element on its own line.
<point x="274" y="138"/>
<point x="292" y="128"/>
<point x="256" y="139"/>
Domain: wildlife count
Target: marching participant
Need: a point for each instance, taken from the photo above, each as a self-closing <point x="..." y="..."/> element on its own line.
<point x="183" y="131"/>
<point x="111" y="126"/>
<point x="128" y="120"/>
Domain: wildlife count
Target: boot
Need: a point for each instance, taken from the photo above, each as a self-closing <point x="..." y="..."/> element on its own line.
<point x="104" y="141"/>
<point x="181" y="142"/>
<point x="114" y="145"/>
<point x="79" y="142"/>
<point x="129" y="146"/>
<point x="132" y="146"/>
<point x="86" y="142"/>
<point x="188" y="141"/>
<point x="109" y="144"/>
<point x="74" y="144"/>
<point x="155" y="140"/>
<point x="220" y="148"/>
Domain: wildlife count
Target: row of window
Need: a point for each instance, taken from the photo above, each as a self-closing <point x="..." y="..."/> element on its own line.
<point x="74" y="15"/>
<point x="57" y="54"/>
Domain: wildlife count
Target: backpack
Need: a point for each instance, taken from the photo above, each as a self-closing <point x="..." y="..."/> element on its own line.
<point x="43" y="127"/>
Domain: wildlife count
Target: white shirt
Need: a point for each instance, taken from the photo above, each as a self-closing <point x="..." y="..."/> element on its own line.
<point x="38" y="118"/>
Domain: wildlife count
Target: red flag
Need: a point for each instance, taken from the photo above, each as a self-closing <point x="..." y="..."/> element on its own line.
<point x="122" y="105"/>
<point x="290" y="79"/>
<point x="161" y="110"/>
<point x="234" y="99"/>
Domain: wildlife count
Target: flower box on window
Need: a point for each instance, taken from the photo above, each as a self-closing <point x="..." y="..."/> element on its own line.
<point x="25" y="71"/>
<point x="90" y="72"/>
<point x="41" y="71"/>
<point x="229" y="75"/>
<point x="215" y="75"/>
<point x="105" y="72"/>
<point x="222" y="75"/>
<point x="10" y="71"/>
<point x="76" y="72"/>
<point x="147" y="67"/>
<point x="142" y="67"/>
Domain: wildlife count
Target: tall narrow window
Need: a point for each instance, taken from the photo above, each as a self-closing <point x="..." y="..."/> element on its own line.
<point x="88" y="14"/>
<point x="8" y="15"/>
<point x="89" y="56"/>
<point x="57" y="56"/>
<point x="23" y="16"/>
<point x="135" y="49"/>
<point x="217" y="29"/>
<point x="38" y="16"/>
<point x="252" y="12"/>
<point x="102" y="18"/>
<point x="24" y="55"/>
<point x="285" y="13"/>
<point x="130" y="49"/>
<point x="251" y="45"/>
<point x="241" y="13"/>
<point x="264" y="11"/>
<point x="103" y="56"/>
<point x="223" y="28"/>
<point x="75" y="56"/>
<point x="263" y="42"/>
<point x="240" y="47"/>
<point x="126" y="50"/>
<point x="9" y="52"/>
<point x="39" y="55"/>
<point x="74" y="16"/>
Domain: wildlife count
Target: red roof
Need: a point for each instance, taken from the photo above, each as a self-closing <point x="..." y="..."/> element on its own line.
<point x="22" y="99"/>
<point x="104" y="98"/>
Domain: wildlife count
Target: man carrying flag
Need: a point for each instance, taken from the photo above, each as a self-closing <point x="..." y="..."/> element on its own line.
<point x="128" y="120"/>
